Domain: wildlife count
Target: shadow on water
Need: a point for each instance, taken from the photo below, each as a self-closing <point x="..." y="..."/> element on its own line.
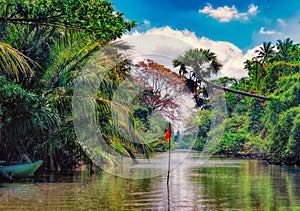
<point x="224" y="184"/>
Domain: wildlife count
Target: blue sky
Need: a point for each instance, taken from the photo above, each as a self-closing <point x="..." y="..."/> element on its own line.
<point x="246" y="24"/>
<point x="233" y="29"/>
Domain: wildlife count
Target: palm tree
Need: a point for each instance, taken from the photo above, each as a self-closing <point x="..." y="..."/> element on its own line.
<point x="60" y="76"/>
<point x="48" y="95"/>
<point x="265" y="52"/>
<point x="46" y="120"/>
<point x="19" y="112"/>
<point x="14" y="63"/>
<point x="284" y="49"/>
<point x="203" y="67"/>
<point x="197" y="58"/>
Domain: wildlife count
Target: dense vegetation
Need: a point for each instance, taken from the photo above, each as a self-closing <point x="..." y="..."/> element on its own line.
<point x="44" y="46"/>
<point x="265" y="128"/>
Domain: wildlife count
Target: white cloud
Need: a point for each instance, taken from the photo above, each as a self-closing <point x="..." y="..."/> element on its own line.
<point x="223" y="14"/>
<point x="267" y="32"/>
<point x="165" y="44"/>
<point x="251" y="53"/>
<point x="227" y="14"/>
<point x="281" y="22"/>
<point x="289" y="28"/>
<point x="253" y="9"/>
<point x="281" y="29"/>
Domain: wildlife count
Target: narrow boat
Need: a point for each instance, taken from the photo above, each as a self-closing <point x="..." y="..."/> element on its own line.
<point x="20" y="170"/>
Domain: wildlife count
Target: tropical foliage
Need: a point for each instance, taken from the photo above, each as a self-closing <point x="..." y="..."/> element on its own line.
<point x="44" y="45"/>
<point x="265" y="127"/>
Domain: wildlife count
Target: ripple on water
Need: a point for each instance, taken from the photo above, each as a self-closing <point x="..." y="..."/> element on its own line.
<point x="217" y="185"/>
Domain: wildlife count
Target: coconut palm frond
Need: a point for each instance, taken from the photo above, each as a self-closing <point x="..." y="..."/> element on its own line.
<point x="67" y="60"/>
<point x="15" y="63"/>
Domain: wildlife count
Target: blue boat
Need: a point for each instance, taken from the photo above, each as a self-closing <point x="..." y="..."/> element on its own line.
<point x="20" y="170"/>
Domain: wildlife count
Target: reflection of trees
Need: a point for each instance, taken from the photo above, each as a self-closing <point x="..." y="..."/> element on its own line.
<point x="246" y="185"/>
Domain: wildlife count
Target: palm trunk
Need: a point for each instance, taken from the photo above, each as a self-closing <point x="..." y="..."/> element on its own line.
<point x="231" y="90"/>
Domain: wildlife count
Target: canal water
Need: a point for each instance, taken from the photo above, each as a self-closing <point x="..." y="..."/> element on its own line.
<point x="218" y="184"/>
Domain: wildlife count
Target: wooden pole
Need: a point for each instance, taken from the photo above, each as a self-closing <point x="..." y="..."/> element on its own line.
<point x="169" y="161"/>
<point x="168" y="177"/>
<point x="168" y="192"/>
<point x="168" y="137"/>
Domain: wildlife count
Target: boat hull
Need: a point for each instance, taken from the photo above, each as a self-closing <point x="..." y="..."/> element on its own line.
<point x="22" y="170"/>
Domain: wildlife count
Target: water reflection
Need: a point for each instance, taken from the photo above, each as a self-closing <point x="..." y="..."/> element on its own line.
<point x="249" y="185"/>
<point x="216" y="185"/>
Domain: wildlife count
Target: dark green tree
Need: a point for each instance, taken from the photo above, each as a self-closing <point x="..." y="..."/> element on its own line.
<point x="265" y="52"/>
<point x="285" y="48"/>
<point x="45" y="44"/>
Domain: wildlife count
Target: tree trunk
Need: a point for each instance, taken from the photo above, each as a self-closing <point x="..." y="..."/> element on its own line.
<point x="231" y="90"/>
